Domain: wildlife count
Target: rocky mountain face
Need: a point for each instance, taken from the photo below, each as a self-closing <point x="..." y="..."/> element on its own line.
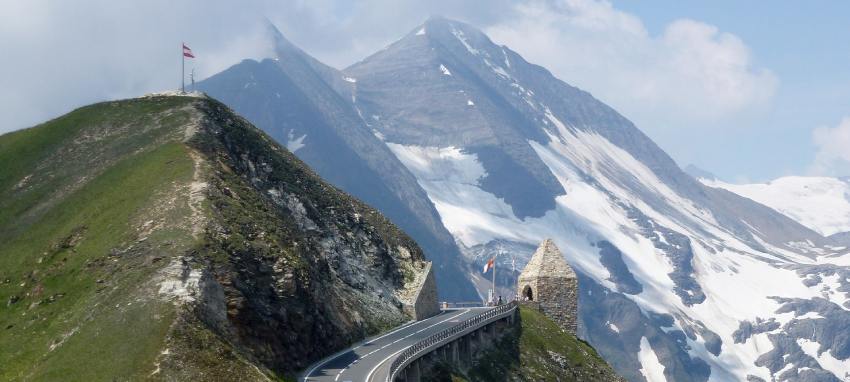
<point x="310" y="108"/>
<point x="170" y="231"/>
<point x="678" y="281"/>
<point x="841" y="238"/>
<point x="421" y="91"/>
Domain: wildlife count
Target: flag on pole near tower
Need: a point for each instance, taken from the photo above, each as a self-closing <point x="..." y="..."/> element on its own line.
<point x="489" y="265"/>
<point x="187" y="52"/>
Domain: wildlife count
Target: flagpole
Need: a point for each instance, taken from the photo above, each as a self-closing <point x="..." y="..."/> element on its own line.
<point x="182" y="69"/>
<point x="494" y="279"/>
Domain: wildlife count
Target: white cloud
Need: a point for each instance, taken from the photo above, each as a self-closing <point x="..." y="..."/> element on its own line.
<point x="60" y="55"/>
<point x="689" y="74"/>
<point x="833" y="150"/>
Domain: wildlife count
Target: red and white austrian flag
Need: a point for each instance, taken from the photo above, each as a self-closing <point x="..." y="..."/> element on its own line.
<point x="187" y="52"/>
<point x="489" y="265"/>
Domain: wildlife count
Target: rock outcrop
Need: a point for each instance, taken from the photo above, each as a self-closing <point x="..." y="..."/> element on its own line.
<point x="420" y="302"/>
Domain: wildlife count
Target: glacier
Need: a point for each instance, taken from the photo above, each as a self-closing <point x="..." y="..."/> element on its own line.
<point x="820" y="203"/>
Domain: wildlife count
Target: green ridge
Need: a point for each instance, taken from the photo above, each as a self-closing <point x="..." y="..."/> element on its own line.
<point x="55" y="266"/>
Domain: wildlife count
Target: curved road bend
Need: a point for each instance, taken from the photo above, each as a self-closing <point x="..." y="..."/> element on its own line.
<point x="371" y="360"/>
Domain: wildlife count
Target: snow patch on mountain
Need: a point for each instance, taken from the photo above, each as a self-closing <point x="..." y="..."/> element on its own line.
<point x="819" y="203"/>
<point x="451" y="177"/>
<point x="835" y="366"/>
<point x="651" y="368"/>
<point x="497" y="69"/>
<point x="737" y="280"/>
<point x="505" y="55"/>
<point x="293" y="143"/>
<point x="558" y="124"/>
<point x="445" y="70"/>
<point x="595" y="155"/>
<point x="836" y="259"/>
<point x="463" y="40"/>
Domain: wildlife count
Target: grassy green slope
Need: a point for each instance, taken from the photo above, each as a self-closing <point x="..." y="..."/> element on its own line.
<point x="73" y="197"/>
<point x="537" y="350"/>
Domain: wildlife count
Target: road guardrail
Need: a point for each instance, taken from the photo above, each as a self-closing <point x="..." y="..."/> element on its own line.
<point x="418" y="349"/>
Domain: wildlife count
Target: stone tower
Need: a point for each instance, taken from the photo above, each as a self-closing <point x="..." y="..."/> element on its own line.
<point x="549" y="283"/>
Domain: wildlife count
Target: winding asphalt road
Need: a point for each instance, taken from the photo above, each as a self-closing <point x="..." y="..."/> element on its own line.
<point x="370" y="360"/>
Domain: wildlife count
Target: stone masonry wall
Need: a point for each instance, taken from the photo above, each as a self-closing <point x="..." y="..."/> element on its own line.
<point x="558" y="299"/>
<point x="425" y="303"/>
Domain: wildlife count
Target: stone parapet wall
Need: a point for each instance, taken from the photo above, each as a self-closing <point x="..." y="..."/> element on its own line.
<point x="424" y="303"/>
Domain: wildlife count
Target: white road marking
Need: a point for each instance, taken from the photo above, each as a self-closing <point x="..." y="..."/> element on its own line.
<point x="369" y="376"/>
<point x="369" y="342"/>
<point x="340" y="372"/>
<point x="310" y="373"/>
<point x="392" y="332"/>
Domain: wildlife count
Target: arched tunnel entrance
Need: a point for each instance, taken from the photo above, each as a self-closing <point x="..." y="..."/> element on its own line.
<point x="527" y="293"/>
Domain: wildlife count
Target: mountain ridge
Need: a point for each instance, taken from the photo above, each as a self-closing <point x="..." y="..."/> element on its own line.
<point x="305" y="105"/>
<point x="170" y="231"/>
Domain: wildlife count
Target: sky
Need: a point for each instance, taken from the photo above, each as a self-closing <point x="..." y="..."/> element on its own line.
<point x="749" y="91"/>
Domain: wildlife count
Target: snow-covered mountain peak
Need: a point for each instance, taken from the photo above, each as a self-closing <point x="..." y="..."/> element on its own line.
<point x="510" y="155"/>
<point x="820" y="203"/>
<point x="478" y="153"/>
<point x="443" y="30"/>
<point x="280" y="44"/>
